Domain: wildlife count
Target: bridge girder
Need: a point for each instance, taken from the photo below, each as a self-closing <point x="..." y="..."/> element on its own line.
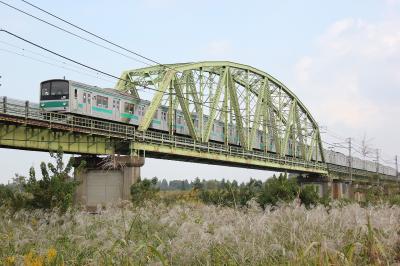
<point x="243" y="98"/>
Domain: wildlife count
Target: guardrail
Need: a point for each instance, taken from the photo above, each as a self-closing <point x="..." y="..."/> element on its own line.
<point x="31" y="111"/>
<point x="358" y="172"/>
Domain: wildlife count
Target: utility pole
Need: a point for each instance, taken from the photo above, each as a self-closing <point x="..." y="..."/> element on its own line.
<point x="397" y="168"/>
<point x="377" y="164"/>
<point x="350" y="162"/>
<point x="377" y="161"/>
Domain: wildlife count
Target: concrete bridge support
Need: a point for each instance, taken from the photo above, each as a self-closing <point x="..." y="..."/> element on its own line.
<point x="321" y="183"/>
<point x="333" y="188"/>
<point x="106" y="181"/>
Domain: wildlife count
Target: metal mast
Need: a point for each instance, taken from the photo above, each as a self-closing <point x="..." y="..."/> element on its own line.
<point x="350" y="162"/>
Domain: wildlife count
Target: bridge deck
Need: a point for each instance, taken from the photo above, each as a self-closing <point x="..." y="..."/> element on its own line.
<point x="24" y="126"/>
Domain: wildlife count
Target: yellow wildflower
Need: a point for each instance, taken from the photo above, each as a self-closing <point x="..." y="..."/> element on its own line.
<point x="31" y="259"/>
<point x="51" y="254"/>
<point x="10" y="260"/>
<point x="34" y="221"/>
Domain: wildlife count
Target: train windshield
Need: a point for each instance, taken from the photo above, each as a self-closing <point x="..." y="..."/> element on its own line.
<point x="54" y="90"/>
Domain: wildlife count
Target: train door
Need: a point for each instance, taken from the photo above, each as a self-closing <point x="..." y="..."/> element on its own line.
<point x="75" y="102"/>
<point x="116" y="109"/>
<point x="87" y="100"/>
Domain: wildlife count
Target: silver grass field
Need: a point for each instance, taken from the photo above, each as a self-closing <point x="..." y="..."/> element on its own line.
<point x="191" y="233"/>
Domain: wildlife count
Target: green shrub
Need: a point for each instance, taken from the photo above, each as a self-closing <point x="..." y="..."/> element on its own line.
<point x="394" y="200"/>
<point x="231" y="194"/>
<point x="374" y="195"/>
<point x="54" y="190"/>
<point x="309" y="196"/>
<point x="278" y="189"/>
<point x="144" y="190"/>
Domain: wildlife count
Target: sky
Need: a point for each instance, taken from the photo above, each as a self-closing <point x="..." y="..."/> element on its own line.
<point x="341" y="58"/>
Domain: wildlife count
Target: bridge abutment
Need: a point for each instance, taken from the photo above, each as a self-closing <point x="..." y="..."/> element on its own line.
<point x="106" y="181"/>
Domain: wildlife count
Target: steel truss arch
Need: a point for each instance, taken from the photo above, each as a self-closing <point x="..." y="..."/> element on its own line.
<point x="256" y="110"/>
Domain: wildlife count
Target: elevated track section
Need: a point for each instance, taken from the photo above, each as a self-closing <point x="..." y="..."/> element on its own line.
<point x="24" y="126"/>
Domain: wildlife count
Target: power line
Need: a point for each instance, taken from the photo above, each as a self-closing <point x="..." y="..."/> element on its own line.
<point x="80" y="28"/>
<point x="71" y="33"/>
<point x="83" y="38"/>
<point x="91" y="68"/>
<point x="107" y="74"/>
<point x="95" y="35"/>
<point x="51" y="64"/>
<point x="60" y="55"/>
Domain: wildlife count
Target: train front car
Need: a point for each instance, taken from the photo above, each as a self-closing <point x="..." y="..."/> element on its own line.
<point x="54" y="95"/>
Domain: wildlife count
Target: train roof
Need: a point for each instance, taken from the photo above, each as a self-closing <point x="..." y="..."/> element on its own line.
<point x="103" y="90"/>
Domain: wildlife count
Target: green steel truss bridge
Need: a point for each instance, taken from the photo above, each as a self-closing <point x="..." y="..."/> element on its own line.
<point x="242" y="97"/>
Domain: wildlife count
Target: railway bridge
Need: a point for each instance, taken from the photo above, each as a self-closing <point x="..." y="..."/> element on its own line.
<point x="244" y="100"/>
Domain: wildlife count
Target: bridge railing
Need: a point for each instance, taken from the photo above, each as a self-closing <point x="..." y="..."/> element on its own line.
<point x="358" y="172"/>
<point x="30" y="111"/>
<point x="217" y="148"/>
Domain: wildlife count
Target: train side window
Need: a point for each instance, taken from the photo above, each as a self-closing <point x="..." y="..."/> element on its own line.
<point x="129" y="108"/>
<point x="105" y="102"/>
<point x="100" y="101"/>
<point x="164" y="116"/>
<point x="141" y="110"/>
<point x="84" y="97"/>
<point x="89" y="98"/>
<point x="118" y="103"/>
<point x="76" y="93"/>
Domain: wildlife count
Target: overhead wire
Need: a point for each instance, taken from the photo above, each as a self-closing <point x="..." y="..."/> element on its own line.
<point x="96" y="35"/>
<point x="101" y="38"/>
<point x="102" y="46"/>
<point x="94" y="69"/>
<point x="71" y="33"/>
<point x="51" y="64"/>
<point x="101" y="71"/>
<point x="64" y="66"/>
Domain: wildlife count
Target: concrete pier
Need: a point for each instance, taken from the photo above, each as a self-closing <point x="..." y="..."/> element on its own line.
<point x="106" y="181"/>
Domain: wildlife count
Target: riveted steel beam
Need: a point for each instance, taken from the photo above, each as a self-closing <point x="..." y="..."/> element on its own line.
<point x="311" y="147"/>
<point x="289" y="125"/>
<point x="193" y="91"/>
<point x="155" y="103"/>
<point x="258" y="112"/>
<point x="214" y="105"/>
<point x="299" y="132"/>
<point x="272" y="121"/>
<point x="125" y="84"/>
<point x="236" y="109"/>
<point x="183" y="101"/>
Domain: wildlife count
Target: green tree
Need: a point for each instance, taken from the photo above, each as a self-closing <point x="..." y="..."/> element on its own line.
<point x="309" y="196"/>
<point x="56" y="188"/>
<point x="144" y="190"/>
<point x="278" y="189"/>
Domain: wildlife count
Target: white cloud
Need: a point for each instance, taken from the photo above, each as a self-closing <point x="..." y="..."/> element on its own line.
<point x="353" y="77"/>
